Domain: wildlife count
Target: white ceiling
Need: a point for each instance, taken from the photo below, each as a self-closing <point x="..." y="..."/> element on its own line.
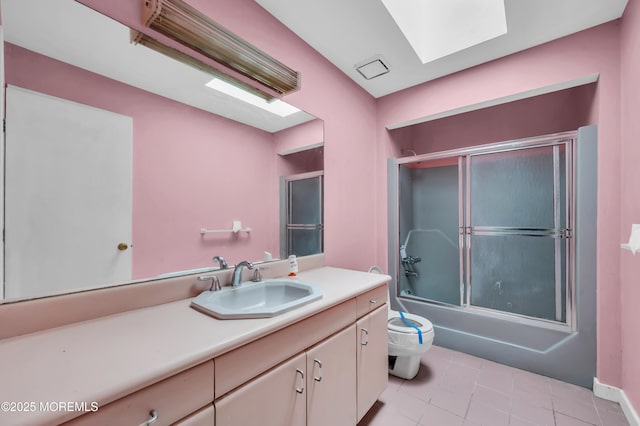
<point x="54" y="28"/>
<point x="347" y="32"/>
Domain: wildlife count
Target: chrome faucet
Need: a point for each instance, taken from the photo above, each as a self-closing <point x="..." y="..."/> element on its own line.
<point x="221" y="261"/>
<point x="215" y="282"/>
<point x="237" y="272"/>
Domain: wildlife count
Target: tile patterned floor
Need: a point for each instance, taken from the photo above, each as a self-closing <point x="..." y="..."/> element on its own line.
<point x="456" y="389"/>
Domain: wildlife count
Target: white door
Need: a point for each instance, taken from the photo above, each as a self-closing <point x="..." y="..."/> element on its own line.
<point x="67" y="195"/>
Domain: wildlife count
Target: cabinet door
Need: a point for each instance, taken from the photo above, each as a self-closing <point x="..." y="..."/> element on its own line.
<point x="372" y="358"/>
<point x="276" y="398"/>
<point x="331" y="381"/>
<point x="204" y="417"/>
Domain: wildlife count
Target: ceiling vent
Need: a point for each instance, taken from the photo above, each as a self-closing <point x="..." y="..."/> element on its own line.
<point x="373" y="67"/>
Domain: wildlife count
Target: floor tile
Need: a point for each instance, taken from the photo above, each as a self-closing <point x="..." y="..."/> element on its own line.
<point x="492" y="398"/>
<point x="578" y="408"/>
<point x="384" y="415"/>
<point x="455" y="389"/>
<point x="435" y="416"/>
<point x="455" y="403"/>
<point x="564" y="390"/>
<point x="610" y="406"/>
<point x="562" y="420"/>
<point x="460" y="379"/>
<point x="486" y="415"/>
<point x="465" y="360"/>
<point x="535" y="391"/>
<point x="609" y="418"/>
<point x="409" y="406"/>
<point x="530" y="413"/>
<point x="516" y="421"/>
<point x="500" y="380"/>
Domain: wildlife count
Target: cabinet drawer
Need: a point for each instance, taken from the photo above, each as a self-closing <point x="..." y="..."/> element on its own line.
<point x="371" y="300"/>
<point x="172" y="398"/>
<point x="241" y="365"/>
<point x="203" y="417"/>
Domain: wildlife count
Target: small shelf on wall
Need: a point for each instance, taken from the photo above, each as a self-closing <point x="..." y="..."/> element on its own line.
<point x="301" y="149"/>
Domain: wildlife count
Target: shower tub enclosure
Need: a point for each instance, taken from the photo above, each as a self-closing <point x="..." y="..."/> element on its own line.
<point x="495" y="245"/>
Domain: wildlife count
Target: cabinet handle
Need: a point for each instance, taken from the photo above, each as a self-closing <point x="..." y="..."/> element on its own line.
<point x="300" y="389"/>
<point x="319" y="377"/>
<point x="154" y="417"/>
<point x="364" y="333"/>
<point x="373" y="301"/>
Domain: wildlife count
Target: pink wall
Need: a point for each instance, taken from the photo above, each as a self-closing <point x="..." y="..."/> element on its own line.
<point x="630" y="265"/>
<point x="554" y="112"/>
<point x="309" y="133"/>
<point x="569" y="58"/>
<point x="303" y="135"/>
<point x="349" y="114"/>
<point x="300" y="162"/>
<point x="183" y="178"/>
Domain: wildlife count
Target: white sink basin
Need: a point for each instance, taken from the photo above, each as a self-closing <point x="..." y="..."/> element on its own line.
<point x="264" y="299"/>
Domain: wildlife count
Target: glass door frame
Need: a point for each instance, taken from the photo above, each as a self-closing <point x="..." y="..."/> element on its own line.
<point x="464" y="155"/>
<point x="285" y="211"/>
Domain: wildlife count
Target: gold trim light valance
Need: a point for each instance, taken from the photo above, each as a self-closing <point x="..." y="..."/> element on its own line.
<point x="184" y="24"/>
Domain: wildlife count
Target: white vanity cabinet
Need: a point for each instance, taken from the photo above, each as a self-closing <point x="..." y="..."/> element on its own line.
<point x="372" y="358"/>
<point x="171" y="399"/>
<point x="309" y="366"/>
<point x="331" y="381"/>
<point x="337" y="379"/>
<point x="203" y="417"/>
<point x="276" y="398"/>
<point x="314" y="388"/>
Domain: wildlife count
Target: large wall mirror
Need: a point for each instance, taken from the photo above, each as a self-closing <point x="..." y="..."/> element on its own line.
<point x="117" y="157"/>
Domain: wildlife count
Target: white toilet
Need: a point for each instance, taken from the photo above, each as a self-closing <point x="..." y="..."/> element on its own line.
<point x="409" y="337"/>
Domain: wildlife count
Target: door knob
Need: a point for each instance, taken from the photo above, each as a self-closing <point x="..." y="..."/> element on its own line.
<point x="123" y="246"/>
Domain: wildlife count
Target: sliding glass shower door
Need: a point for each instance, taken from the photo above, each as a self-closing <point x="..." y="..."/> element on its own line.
<point x="516" y="227"/>
<point x="429" y="222"/>
<point x="489" y="228"/>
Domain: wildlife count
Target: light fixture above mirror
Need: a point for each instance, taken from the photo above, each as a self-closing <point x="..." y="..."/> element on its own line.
<point x="184" y="24"/>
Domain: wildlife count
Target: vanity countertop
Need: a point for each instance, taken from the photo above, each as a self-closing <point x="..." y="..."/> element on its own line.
<point x="104" y="359"/>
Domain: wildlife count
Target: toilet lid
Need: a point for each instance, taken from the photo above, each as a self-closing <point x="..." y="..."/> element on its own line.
<point x="395" y="323"/>
<point x="376" y="270"/>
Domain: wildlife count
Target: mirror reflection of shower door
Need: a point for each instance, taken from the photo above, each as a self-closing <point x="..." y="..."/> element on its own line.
<point x="429" y="221"/>
<point x="305" y="214"/>
<point x="517" y="230"/>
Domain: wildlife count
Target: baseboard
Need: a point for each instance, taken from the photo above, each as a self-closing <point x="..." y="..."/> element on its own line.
<point x="612" y="393"/>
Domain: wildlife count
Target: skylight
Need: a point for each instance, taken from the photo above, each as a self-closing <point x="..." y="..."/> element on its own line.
<point x="277" y="106"/>
<point x="438" y="28"/>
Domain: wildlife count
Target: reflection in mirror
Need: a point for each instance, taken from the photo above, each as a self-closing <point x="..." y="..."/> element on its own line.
<point x="117" y="157"/>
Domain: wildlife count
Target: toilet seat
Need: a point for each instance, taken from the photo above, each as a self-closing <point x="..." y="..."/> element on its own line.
<point x="396" y="324"/>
